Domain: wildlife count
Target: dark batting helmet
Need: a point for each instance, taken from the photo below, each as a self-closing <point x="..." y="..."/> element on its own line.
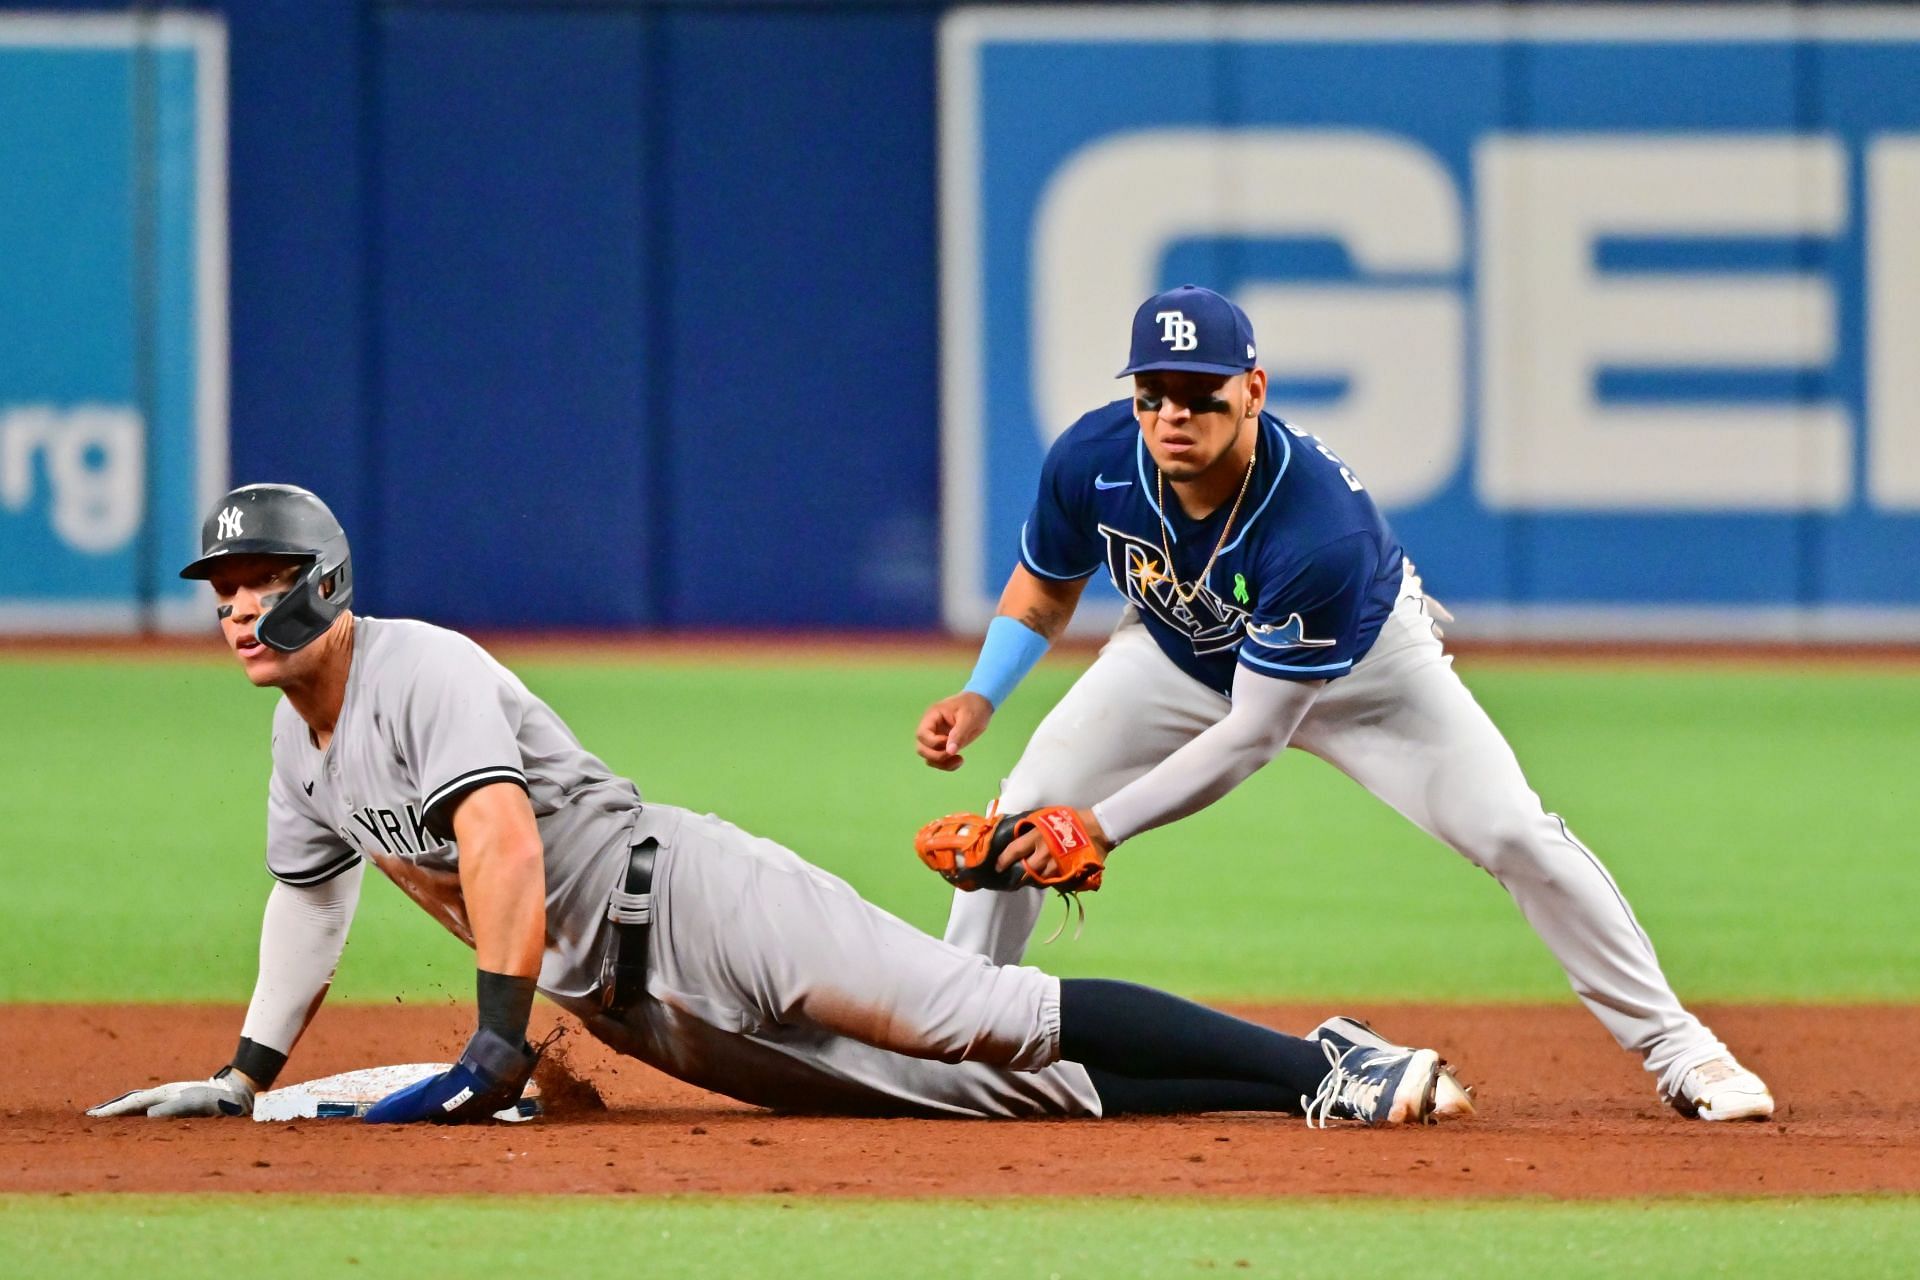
<point x="282" y="520"/>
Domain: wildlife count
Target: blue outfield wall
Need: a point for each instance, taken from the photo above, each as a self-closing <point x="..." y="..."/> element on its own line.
<point x="578" y="315"/>
<point x="655" y="314"/>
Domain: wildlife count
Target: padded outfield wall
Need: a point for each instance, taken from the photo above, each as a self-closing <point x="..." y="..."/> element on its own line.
<point x="618" y="315"/>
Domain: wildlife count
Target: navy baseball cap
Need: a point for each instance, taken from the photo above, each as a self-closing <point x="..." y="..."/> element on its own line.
<point x="1193" y="330"/>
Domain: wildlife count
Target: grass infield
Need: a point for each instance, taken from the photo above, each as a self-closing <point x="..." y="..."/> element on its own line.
<point x="1759" y="821"/>
<point x="158" y="1237"/>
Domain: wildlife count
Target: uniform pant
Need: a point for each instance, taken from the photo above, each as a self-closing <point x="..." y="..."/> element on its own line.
<point x="1403" y="726"/>
<point x="772" y="981"/>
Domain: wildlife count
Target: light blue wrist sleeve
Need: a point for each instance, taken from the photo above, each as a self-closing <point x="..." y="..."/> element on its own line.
<point x="1008" y="653"/>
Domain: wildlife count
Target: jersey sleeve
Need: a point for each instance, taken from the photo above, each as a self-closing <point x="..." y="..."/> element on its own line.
<point x="458" y="729"/>
<point x="1306" y="626"/>
<point x="302" y="850"/>
<point x="1058" y="541"/>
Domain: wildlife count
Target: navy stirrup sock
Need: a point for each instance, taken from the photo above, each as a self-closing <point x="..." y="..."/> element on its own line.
<point x="1124" y="1029"/>
<point x="1126" y="1096"/>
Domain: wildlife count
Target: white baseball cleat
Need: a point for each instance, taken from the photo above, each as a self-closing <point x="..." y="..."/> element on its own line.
<point x="1451" y="1099"/>
<point x="1721" y="1089"/>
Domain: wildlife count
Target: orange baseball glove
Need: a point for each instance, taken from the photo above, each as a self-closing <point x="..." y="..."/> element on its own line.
<point x="963" y="848"/>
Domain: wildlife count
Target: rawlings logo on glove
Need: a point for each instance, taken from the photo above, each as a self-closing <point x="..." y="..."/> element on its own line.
<point x="965" y="849"/>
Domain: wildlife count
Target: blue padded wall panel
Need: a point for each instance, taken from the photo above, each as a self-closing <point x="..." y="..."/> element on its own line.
<point x="803" y="294"/>
<point x="297" y="225"/>
<point x="515" y="383"/>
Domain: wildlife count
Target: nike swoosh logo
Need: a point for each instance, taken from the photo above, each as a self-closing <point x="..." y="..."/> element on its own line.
<point x="308" y="786"/>
<point x="1101" y="482"/>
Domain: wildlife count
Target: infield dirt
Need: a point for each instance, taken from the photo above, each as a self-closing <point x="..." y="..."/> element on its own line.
<point x="1562" y="1113"/>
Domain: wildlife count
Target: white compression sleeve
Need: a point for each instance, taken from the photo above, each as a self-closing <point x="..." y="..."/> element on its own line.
<point x="1265" y="713"/>
<point x="301" y="937"/>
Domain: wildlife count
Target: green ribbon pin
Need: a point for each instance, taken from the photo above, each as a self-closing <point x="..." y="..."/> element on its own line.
<point x="1240" y="588"/>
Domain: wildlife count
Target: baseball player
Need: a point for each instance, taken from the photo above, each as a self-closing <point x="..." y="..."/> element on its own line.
<point x="1270" y="605"/>
<point x="714" y="955"/>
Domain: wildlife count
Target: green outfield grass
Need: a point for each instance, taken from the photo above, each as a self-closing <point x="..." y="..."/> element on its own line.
<point x="1760" y="822"/>
<point x="156" y="1238"/>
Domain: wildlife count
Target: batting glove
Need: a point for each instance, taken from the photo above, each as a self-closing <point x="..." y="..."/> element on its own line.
<point x="490" y="1076"/>
<point x="226" y="1094"/>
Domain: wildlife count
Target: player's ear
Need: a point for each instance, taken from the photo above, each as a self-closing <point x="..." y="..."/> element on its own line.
<point x="1256" y="391"/>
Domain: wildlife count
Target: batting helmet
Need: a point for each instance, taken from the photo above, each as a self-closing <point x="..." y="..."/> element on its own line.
<point x="282" y="520"/>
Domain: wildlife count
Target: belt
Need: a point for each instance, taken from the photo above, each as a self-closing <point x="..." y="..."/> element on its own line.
<point x="623" y="978"/>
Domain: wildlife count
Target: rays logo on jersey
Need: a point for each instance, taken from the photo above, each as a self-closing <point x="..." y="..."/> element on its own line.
<point x="1138" y="568"/>
<point x="1291" y="634"/>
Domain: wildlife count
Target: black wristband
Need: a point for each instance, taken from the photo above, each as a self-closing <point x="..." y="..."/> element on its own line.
<point x="506" y="1002"/>
<point x="258" y="1063"/>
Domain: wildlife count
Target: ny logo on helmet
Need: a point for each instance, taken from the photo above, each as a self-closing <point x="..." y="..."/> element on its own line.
<point x="1176" y="330"/>
<point x="230" y="523"/>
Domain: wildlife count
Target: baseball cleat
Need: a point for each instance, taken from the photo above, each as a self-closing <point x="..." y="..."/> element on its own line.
<point x="1374" y="1086"/>
<point x="1721" y="1089"/>
<point x="1451" y="1099"/>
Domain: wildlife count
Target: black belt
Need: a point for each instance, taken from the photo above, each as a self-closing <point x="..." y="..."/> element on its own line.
<point x="623" y="978"/>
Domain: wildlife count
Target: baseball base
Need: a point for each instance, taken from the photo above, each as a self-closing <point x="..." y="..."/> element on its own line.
<point x="350" y="1093"/>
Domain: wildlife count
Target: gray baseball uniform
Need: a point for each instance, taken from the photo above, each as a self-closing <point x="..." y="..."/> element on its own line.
<point x="768" y="979"/>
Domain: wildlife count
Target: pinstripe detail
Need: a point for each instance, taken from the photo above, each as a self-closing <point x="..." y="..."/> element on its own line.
<point x="1618" y="897"/>
<point x="308" y="879"/>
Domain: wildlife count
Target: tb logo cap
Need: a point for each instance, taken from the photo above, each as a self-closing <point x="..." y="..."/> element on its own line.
<point x="1191" y="329"/>
<point x="1177" y="331"/>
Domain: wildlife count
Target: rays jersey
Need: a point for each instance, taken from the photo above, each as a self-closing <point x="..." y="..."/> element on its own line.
<point x="429" y="717"/>
<point x="1308" y="573"/>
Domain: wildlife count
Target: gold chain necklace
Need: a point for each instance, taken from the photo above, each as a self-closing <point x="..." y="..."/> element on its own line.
<point x="1185" y="595"/>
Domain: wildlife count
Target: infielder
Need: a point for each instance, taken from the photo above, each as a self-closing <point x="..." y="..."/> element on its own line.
<point x="718" y="957"/>
<point x="1270" y="605"/>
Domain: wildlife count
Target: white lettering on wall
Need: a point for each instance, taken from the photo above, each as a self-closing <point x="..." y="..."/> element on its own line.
<point x="1893" y="322"/>
<point x="1110" y="213"/>
<point x="1550" y="321"/>
<point x="95" y="461"/>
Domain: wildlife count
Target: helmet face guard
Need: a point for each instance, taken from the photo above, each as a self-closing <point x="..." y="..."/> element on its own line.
<point x="283" y="520"/>
<point x="298" y="616"/>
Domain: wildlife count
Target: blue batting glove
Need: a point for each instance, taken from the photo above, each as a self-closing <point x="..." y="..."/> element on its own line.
<point x="489" y="1077"/>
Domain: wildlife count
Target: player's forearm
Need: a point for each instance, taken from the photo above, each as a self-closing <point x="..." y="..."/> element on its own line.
<point x="504" y="884"/>
<point x="503" y="878"/>
<point x="1032" y="612"/>
<point x="1041" y="606"/>
<point x="504" y="881"/>
<point x="302" y="934"/>
<point x="1264" y="716"/>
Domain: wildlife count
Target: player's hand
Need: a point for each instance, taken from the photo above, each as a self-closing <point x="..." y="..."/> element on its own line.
<point x="1032" y="850"/>
<point x="227" y="1094"/>
<point x="490" y="1076"/>
<point x="949" y="726"/>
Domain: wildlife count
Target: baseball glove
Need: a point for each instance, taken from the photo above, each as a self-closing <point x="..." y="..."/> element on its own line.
<point x="963" y="848"/>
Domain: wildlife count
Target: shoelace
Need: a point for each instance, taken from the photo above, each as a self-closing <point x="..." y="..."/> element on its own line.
<point x="1341" y="1087"/>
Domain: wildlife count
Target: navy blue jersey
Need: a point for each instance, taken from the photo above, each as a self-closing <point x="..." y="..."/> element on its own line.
<point x="1308" y="574"/>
